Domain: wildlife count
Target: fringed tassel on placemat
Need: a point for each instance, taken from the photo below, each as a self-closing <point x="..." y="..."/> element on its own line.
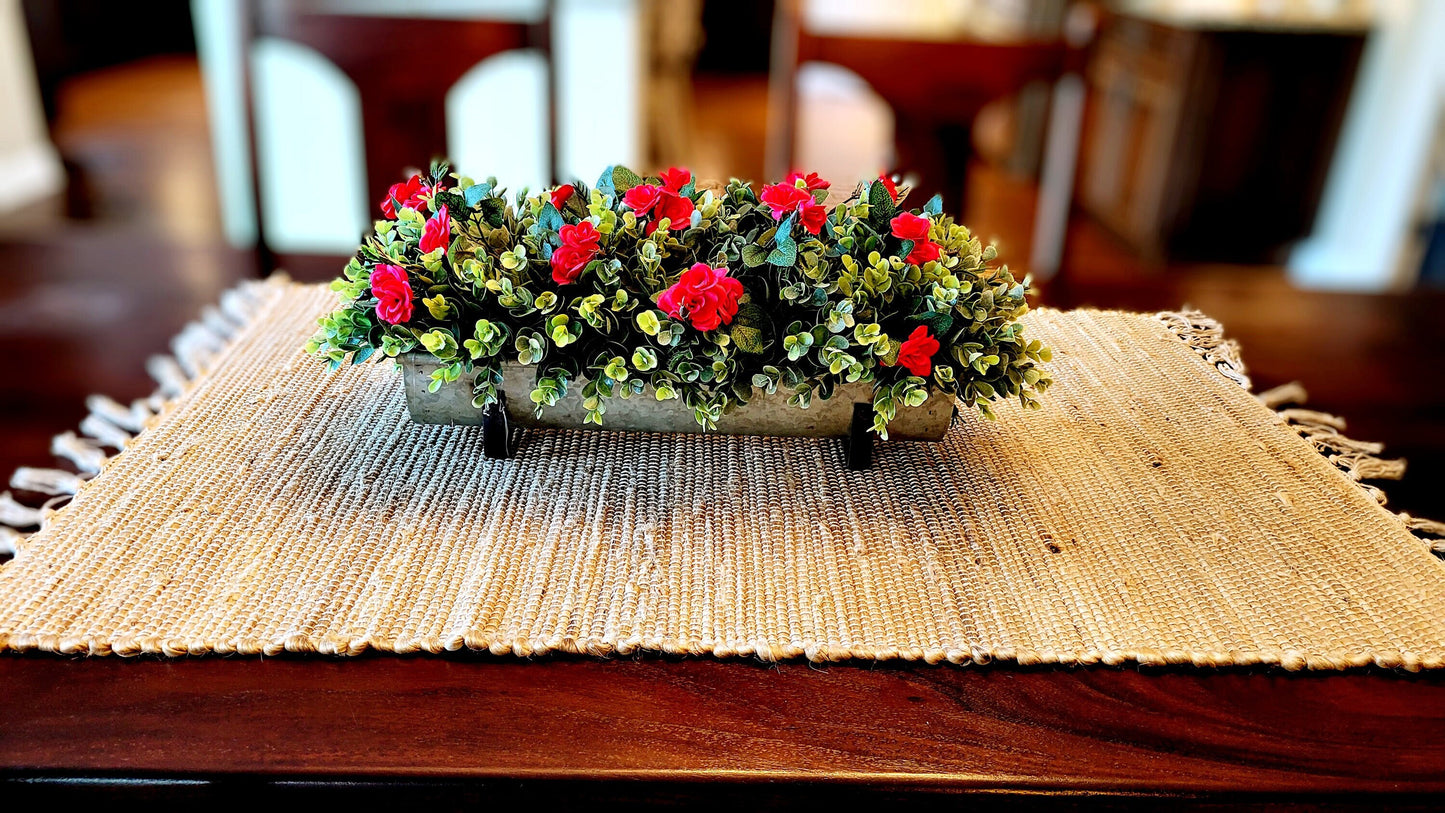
<point x="111" y="425"/>
<point x="1360" y="460"/>
<point x="1206" y="336"/>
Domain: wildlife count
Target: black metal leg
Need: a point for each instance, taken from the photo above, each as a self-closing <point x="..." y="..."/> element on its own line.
<point x="496" y="433"/>
<point x="860" y="440"/>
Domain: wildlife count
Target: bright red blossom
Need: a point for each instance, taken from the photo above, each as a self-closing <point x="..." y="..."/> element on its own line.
<point x="392" y="289"/>
<point x="579" y="247"/>
<point x="924" y="251"/>
<point x="706" y="296"/>
<point x="662" y="201"/>
<point x="675" y="178"/>
<point x="643" y="198"/>
<point x="916" y="354"/>
<point x="561" y="194"/>
<point x="437" y="233"/>
<point x="908" y="226"/>
<point x="785" y="199"/>
<point x="811" y="181"/>
<point x="406" y="195"/>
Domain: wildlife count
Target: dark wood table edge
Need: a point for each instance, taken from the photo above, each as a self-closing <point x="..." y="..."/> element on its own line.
<point x="606" y="790"/>
<point x="103" y="690"/>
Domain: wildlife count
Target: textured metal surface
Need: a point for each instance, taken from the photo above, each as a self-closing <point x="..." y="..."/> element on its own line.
<point x="764" y="415"/>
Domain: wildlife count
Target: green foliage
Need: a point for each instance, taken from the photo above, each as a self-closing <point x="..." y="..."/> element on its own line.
<point x="785" y="250"/>
<point x="880" y="207"/>
<point x="817" y="311"/>
<point x="749" y="328"/>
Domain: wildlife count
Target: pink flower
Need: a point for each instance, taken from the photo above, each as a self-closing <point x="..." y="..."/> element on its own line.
<point x="907" y="226"/>
<point x="811" y="181"/>
<point x="890" y="186"/>
<point x="785" y="198"/>
<point x="916" y="354"/>
<point x="406" y="195"/>
<point x="663" y="201"/>
<point x="706" y="296"/>
<point x="392" y="289"/>
<point x="561" y="194"/>
<point x="579" y="247"/>
<point x="437" y="233"/>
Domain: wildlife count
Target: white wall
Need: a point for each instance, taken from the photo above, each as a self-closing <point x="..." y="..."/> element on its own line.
<point x="1365" y="217"/>
<point x="29" y="165"/>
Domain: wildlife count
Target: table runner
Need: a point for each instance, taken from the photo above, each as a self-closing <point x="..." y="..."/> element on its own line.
<point x="1154" y="511"/>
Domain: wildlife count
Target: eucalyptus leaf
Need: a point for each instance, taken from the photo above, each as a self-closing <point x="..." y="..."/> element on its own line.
<point x="550" y="219"/>
<point x="474" y="194"/>
<point x="604" y="182"/>
<point x="785" y="250"/>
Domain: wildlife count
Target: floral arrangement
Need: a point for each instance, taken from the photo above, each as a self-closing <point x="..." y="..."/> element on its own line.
<point x="654" y="285"/>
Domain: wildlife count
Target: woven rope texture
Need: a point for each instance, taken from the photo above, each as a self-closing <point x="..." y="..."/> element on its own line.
<point x="1153" y="511"/>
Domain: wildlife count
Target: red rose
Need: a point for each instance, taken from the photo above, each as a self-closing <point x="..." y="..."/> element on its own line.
<point x="706" y="296"/>
<point x="917" y="353"/>
<point x="811" y="181"/>
<point x="908" y="226"/>
<point x="912" y="227"/>
<point x="661" y="201"/>
<point x="579" y="247"/>
<point x="677" y="209"/>
<point x="561" y="194"/>
<point x="890" y="186"/>
<point x="642" y="198"/>
<point x="924" y="251"/>
<point x="674" y="179"/>
<point x="437" y="233"/>
<point x="392" y="289"/>
<point x="404" y="196"/>
<point x="567" y="264"/>
<point x="784" y="199"/>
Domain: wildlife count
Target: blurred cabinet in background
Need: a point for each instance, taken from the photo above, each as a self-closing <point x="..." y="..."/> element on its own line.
<point x="1210" y="138"/>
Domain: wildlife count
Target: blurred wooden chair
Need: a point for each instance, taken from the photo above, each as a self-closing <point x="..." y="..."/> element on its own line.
<point x="402" y="87"/>
<point x="935" y="87"/>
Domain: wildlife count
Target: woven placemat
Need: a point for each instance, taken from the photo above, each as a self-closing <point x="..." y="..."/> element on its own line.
<point x="1153" y="511"/>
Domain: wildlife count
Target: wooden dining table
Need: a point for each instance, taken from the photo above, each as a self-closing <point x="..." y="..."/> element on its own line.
<point x="475" y="729"/>
<point x="701" y="731"/>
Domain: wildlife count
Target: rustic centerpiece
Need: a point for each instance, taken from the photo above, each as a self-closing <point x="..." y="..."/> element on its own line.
<point x="648" y="303"/>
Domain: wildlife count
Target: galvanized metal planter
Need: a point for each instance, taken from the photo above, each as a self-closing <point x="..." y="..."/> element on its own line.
<point x="848" y="414"/>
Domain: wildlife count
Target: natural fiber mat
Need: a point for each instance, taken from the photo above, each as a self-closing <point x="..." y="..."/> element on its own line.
<point x="1153" y="511"/>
